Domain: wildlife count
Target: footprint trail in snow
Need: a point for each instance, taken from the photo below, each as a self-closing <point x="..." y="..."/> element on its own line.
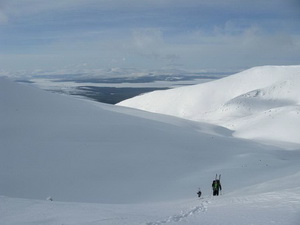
<point x="183" y="215"/>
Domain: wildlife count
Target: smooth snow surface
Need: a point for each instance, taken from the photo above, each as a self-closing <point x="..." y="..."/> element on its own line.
<point x="252" y="103"/>
<point x="104" y="164"/>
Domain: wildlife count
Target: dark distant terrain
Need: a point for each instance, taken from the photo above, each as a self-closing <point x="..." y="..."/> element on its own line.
<point x="111" y="95"/>
<point x="112" y="91"/>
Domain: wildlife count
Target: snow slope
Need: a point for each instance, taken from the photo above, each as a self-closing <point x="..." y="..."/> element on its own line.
<point x="252" y="103"/>
<point x="133" y="167"/>
<point x="266" y="208"/>
<point x="63" y="147"/>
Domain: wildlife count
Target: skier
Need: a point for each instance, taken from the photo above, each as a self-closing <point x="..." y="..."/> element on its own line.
<point x="216" y="186"/>
<point x="199" y="193"/>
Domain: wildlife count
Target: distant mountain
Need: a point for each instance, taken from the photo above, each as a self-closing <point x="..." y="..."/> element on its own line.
<point x="252" y="103"/>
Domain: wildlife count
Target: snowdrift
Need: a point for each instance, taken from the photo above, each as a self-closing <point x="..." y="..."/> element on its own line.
<point x="252" y="103"/>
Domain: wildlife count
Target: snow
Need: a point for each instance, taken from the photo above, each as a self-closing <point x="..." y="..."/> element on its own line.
<point x="104" y="164"/>
<point x="252" y="103"/>
<point x="268" y="208"/>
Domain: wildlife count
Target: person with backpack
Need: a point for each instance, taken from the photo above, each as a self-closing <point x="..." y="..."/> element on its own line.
<point x="199" y="193"/>
<point x="216" y="186"/>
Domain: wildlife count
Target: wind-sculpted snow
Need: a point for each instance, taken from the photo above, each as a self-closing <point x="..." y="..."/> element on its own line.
<point x="237" y="102"/>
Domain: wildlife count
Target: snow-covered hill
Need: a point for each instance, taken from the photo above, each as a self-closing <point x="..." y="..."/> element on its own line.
<point x="252" y="103"/>
<point x="81" y="151"/>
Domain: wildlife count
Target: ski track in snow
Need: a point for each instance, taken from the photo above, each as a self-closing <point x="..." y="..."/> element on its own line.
<point x="182" y="215"/>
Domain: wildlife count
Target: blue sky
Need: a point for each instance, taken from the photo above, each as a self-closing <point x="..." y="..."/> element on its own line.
<point x="148" y="34"/>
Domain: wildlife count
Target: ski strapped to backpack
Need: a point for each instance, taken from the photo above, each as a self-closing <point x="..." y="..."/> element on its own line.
<point x="217" y="177"/>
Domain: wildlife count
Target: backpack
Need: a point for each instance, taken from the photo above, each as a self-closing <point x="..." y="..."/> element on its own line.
<point x="216" y="184"/>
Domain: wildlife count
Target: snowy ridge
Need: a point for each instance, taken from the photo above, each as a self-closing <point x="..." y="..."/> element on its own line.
<point x="243" y="102"/>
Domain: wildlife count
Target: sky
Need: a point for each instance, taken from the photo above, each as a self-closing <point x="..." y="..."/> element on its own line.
<point x="148" y="34"/>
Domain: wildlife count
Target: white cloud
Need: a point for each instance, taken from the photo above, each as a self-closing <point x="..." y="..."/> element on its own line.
<point x="152" y="33"/>
<point x="3" y="18"/>
<point x="147" y="38"/>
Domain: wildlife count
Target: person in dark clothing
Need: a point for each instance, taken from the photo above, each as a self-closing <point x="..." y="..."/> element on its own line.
<point x="199" y="193"/>
<point x="216" y="186"/>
